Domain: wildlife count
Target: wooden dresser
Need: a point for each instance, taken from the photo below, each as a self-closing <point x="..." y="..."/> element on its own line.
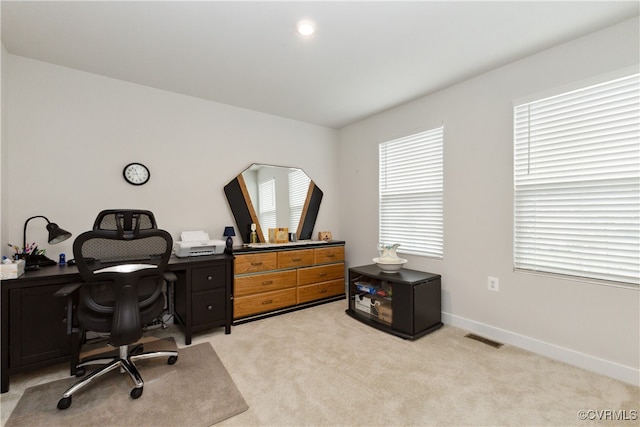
<point x="273" y="279"/>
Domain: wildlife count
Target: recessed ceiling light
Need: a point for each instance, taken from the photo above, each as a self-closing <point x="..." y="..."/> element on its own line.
<point x="306" y="28"/>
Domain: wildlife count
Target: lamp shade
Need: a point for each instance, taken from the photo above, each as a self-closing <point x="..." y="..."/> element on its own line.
<point x="57" y="234"/>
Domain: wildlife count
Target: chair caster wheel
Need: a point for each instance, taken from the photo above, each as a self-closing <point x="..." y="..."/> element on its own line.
<point x="80" y="372"/>
<point x="64" y="403"/>
<point x="172" y="360"/>
<point x="136" y="393"/>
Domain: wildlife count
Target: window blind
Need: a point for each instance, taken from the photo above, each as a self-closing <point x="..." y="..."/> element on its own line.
<point x="411" y="193"/>
<point x="298" y="189"/>
<point x="577" y="183"/>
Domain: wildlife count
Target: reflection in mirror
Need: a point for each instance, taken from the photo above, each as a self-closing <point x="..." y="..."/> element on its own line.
<point x="274" y="197"/>
<point x="277" y="194"/>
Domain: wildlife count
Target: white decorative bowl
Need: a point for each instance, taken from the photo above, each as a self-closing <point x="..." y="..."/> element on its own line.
<point x="390" y="265"/>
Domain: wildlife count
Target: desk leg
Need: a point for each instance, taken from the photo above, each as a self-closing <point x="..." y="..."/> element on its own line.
<point x="5" y="340"/>
<point x="5" y="380"/>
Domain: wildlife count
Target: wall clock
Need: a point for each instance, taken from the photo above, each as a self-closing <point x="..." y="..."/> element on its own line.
<point x="136" y="173"/>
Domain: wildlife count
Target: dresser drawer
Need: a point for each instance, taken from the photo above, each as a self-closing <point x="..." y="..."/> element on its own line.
<point x="320" y="290"/>
<point x="268" y="301"/>
<point x="253" y="263"/>
<point x="322" y="273"/>
<point x="208" y="307"/>
<point x="297" y="258"/>
<point x="330" y="254"/>
<point x="207" y="278"/>
<point x="257" y="283"/>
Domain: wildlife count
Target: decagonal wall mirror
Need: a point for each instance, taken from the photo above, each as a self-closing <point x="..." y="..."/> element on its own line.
<point x="274" y="197"/>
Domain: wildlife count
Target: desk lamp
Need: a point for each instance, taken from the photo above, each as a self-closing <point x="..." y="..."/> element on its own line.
<point x="56" y="235"/>
<point x="228" y="232"/>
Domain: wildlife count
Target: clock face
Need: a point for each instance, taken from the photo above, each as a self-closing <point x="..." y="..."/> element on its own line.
<point x="136" y="173"/>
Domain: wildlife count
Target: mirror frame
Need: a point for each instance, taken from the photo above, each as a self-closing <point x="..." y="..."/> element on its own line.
<point x="245" y="214"/>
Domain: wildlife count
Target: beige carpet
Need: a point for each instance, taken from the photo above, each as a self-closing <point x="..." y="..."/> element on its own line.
<point x="196" y="391"/>
<point x="320" y="367"/>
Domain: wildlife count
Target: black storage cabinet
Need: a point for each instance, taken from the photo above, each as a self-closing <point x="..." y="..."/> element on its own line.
<point x="414" y="298"/>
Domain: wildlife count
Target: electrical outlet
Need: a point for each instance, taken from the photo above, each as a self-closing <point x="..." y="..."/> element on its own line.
<point x="493" y="284"/>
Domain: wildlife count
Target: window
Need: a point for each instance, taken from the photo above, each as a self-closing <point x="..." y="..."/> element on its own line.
<point x="412" y="193"/>
<point x="577" y="183"/>
<point x="298" y="189"/>
<point x="267" y="206"/>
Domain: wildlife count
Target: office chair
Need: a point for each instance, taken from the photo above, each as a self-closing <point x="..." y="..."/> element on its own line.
<point x="122" y="271"/>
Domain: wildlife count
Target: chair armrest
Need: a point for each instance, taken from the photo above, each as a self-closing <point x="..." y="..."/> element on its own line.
<point x="170" y="276"/>
<point x="67" y="289"/>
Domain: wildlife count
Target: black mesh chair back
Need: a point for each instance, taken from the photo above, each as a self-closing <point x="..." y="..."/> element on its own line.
<point x="125" y="221"/>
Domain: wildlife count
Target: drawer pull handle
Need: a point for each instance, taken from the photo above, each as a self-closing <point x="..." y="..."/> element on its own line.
<point x="209" y="307"/>
<point x="331" y="255"/>
<point x="267" y="282"/>
<point x="209" y="277"/>
<point x="323" y="291"/>
<point x="267" y="301"/>
<point x="322" y="274"/>
<point x="296" y="259"/>
<point x="256" y="263"/>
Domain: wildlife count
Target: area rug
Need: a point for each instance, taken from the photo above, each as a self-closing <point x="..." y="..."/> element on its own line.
<point x="196" y="391"/>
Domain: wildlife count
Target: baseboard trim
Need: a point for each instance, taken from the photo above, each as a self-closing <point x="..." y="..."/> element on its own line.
<point x="601" y="366"/>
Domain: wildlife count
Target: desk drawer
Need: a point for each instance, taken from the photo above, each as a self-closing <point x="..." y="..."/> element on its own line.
<point x="320" y="290"/>
<point x="322" y="273"/>
<point x="208" y="307"/>
<point x="330" y="254"/>
<point x="267" y="301"/>
<point x="257" y="283"/>
<point x="253" y="263"/>
<point x="297" y="258"/>
<point x="208" y="278"/>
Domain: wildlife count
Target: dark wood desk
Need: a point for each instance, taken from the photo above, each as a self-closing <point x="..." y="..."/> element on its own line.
<point x="34" y="332"/>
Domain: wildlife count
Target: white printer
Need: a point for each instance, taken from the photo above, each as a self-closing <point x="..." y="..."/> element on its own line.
<point x="196" y="243"/>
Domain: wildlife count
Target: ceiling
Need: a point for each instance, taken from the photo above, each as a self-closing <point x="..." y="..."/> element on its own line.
<point x="364" y="58"/>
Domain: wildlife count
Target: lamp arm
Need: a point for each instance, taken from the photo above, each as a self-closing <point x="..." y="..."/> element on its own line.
<point x="24" y="232"/>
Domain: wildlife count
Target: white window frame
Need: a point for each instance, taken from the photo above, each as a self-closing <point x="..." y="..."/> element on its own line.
<point x="411" y="193"/>
<point x="577" y="183"/>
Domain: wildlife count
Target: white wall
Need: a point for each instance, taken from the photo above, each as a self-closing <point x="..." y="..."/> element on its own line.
<point x="70" y="134"/>
<point x="590" y="325"/>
